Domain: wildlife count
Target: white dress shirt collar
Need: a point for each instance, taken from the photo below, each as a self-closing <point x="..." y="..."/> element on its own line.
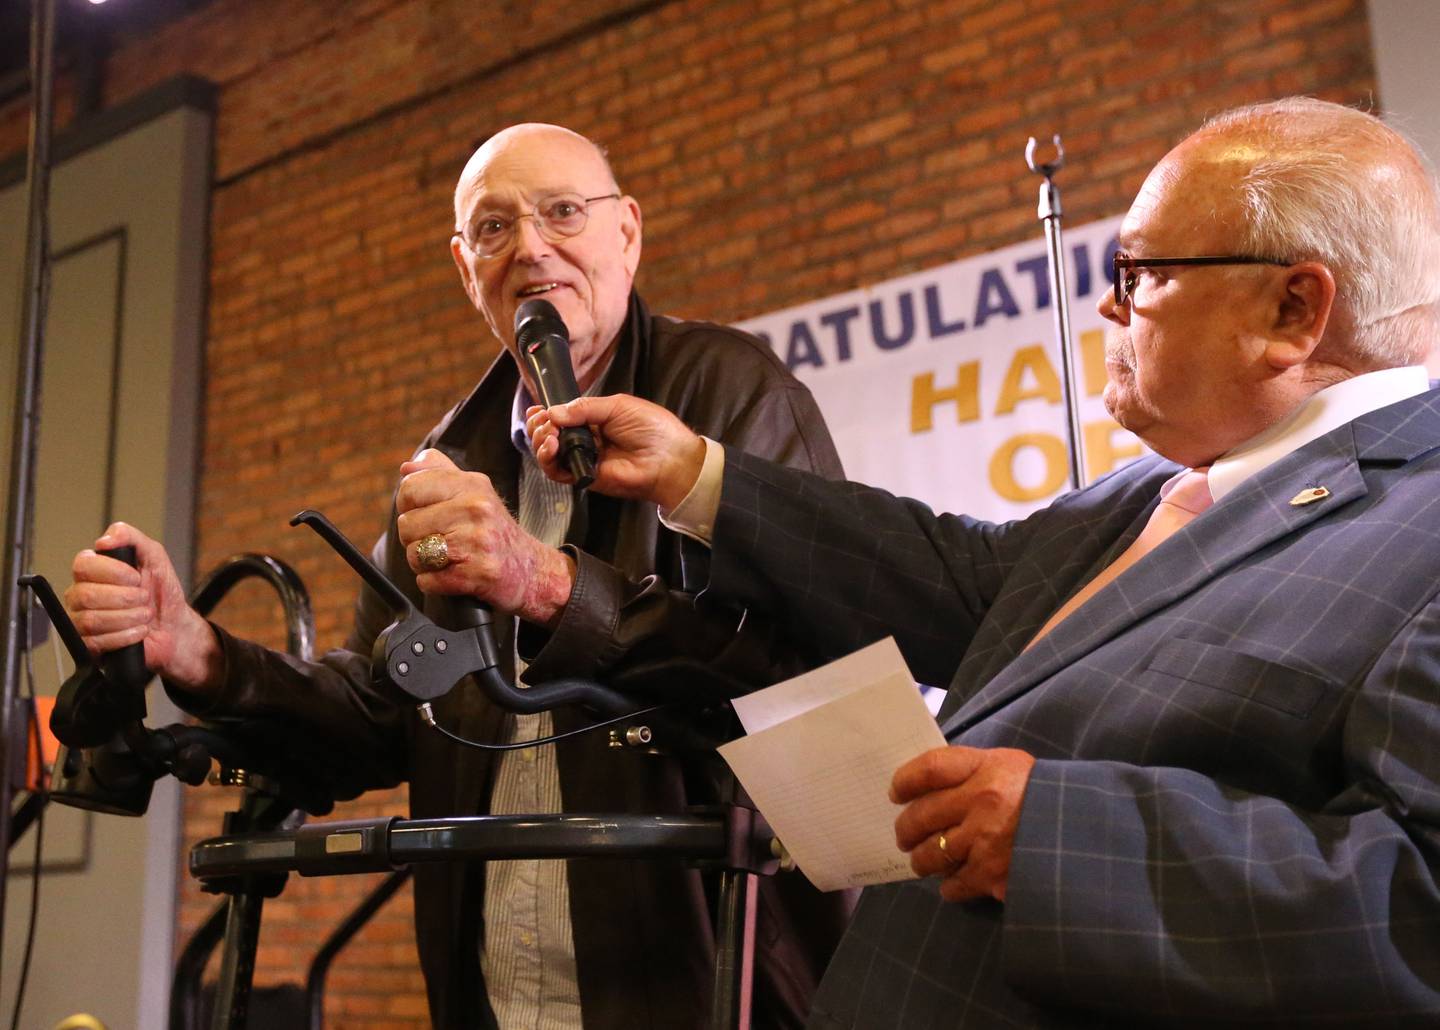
<point x="1329" y="409"/>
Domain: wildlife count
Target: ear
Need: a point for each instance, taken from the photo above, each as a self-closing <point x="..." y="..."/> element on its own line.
<point x="1307" y="299"/>
<point x="467" y="274"/>
<point x="631" y="225"/>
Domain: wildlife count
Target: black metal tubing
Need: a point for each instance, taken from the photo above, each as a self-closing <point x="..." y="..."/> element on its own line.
<point x="558" y="835"/>
<point x="476" y="837"/>
<point x="734" y="950"/>
<point x="299" y="620"/>
<point x="26" y="814"/>
<point x="326" y="849"/>
<point x="342" y="935"/>
<point x="185" y="991"/>
<point x="376" y="580"/>
<point x="24" y="438"/>
<point x="237" y="959"/>
<point x="237" y="919"/>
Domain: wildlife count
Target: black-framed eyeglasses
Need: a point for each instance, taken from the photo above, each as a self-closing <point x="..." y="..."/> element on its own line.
<point x="1123" y="276"/>
<point x="557" y="217"/>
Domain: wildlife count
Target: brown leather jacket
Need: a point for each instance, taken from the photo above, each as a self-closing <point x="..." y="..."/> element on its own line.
<point x="643" y="938"/>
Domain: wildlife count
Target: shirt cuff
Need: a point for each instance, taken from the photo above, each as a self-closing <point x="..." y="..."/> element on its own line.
<point x="694" y="516"/>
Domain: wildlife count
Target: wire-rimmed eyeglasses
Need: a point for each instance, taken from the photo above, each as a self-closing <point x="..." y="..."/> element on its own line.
<point x="1123" y="266"/>
<point x="557" y="217"/>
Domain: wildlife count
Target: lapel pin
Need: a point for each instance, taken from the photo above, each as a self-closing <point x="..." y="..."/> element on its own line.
<point x="1310" y="495"/>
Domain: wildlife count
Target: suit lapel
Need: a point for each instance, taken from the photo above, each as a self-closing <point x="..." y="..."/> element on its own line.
<point x="1254" y="516"/>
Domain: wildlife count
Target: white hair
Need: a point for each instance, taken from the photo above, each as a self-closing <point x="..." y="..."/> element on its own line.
<point x="1339" y="186"/>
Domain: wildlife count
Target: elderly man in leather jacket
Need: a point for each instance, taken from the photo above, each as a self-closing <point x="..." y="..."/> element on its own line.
<point x="593" y="585"/>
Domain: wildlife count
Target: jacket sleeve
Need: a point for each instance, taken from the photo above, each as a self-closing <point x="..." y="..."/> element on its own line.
<point x="327" y="719"/>
<point x="883" y="565"/>
<point x="617" y="626"/>
<point x="1188" y="898"/>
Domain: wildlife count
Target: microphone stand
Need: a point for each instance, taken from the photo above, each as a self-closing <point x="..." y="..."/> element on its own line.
<point x="26" y="416"/>
<point x="1049" y="215"/>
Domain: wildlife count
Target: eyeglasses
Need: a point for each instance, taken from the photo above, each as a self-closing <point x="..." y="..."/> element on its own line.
<point x="1123" y="267"/>
<point x="557" y="217"/>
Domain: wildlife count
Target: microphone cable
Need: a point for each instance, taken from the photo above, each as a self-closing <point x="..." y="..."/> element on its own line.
<point x="428" y="714"/>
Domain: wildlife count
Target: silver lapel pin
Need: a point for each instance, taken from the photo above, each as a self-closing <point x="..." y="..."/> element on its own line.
<point x="1310" y="495"/>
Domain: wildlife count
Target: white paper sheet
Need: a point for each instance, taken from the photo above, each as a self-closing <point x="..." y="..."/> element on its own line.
<point x="819" y="757"/>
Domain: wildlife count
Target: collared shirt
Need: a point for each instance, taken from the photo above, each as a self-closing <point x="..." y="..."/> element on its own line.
<point x="529" y="948"/>
<point x="1328" y="409"/>
<point x="1325" y="410"/>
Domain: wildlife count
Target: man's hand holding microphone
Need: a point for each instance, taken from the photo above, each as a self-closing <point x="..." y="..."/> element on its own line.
<point x="645" y="452"/>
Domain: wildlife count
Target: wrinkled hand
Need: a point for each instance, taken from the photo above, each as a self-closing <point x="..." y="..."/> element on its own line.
<point x="646" y="453"/>
<point x="972" y="796"/>
<point x="113" y="605"/>
<point x="491" y="557"/>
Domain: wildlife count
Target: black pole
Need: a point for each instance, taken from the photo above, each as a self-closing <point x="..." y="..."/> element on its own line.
<point x="231" y="1009"/>
<point x="190" y="969"/>
<point x="27" y="409"/>
<point x="734" y="950"/>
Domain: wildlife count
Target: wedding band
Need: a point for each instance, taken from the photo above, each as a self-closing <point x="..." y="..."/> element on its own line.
<point x="431" y="553"/>
<point x="944" y="850"/>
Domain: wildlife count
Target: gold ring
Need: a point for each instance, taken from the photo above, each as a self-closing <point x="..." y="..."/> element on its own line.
<point x="431" y="553"/>
<point x="945" y="850"/>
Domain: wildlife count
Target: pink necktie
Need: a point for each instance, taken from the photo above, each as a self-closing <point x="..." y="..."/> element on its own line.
<point x="1188" y="497"/>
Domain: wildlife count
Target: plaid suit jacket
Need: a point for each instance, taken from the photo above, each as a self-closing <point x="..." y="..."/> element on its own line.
<point x="1235" y="813"/>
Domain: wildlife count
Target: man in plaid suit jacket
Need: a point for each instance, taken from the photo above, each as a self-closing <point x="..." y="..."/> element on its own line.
<point x="1211" y="792"/>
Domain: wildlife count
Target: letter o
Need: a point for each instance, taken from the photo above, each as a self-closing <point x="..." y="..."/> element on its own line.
<point x="1002" y="467"/>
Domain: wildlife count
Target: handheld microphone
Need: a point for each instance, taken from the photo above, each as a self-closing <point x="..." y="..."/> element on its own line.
<point x="544" y="346"/>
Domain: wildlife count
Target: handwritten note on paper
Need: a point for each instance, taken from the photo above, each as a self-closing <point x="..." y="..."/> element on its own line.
<point x="819" y="756"/>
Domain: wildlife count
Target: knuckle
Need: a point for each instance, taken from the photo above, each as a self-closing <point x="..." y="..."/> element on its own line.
<point x="933" y="764"/>
<point x="904" y="827"/>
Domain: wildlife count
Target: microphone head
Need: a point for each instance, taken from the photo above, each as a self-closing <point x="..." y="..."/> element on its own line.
<point x="535" y="319"/>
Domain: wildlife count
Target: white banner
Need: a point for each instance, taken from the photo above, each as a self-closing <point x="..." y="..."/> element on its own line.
<point x="945" y="385"/>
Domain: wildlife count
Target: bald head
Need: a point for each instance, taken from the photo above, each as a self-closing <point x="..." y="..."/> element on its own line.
<point x="1312" y="180"/>
<point x="513" y="186"/>
<point x="518" y="141"/>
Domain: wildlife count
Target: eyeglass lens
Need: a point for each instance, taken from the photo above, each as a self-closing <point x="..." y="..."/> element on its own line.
<point x="556" y="217"/>
<point x="1122" y="277"/>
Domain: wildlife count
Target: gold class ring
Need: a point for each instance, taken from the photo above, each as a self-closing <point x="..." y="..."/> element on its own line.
<point x="431" y="553"/>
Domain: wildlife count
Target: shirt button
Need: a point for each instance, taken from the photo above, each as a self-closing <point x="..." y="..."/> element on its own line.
<point x="527" y="939"/>
<point x="562" y="506"/>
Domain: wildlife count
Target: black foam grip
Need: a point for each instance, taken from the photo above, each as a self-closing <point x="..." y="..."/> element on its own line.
<point x="125" y="667"/>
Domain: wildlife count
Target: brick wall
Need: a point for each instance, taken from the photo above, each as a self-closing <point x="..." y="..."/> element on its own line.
<point x="782" y="150"/>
